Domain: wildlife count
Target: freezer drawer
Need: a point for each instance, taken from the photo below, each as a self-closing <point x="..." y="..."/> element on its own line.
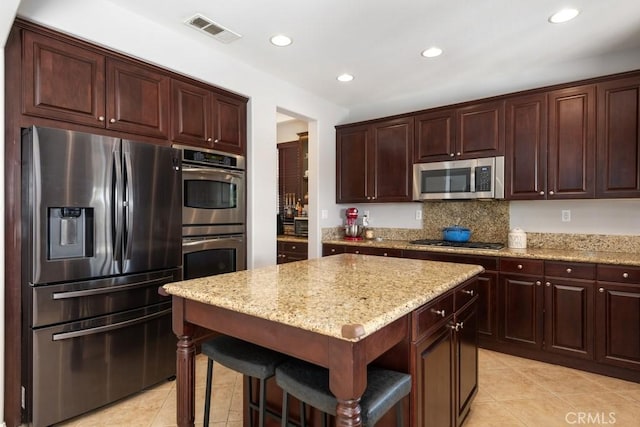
<point x="83" y="365"/>
<point x="67" y="302"/>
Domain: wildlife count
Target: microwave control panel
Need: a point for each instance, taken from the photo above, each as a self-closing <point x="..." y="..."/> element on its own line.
<point x="483" y="178"/>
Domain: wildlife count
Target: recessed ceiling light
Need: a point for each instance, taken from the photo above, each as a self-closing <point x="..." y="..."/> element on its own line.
<point x="345" y="77"/>
<point x="563" y="15"/>
<point x="432" y="52"/>
<point x="281" y="40"/>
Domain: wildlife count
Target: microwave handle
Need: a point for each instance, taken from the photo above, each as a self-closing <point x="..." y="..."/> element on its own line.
<point x="472" y="179"/>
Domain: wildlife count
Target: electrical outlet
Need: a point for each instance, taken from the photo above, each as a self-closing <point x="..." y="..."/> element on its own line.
<point x="418" y="214"/>
<point x="366" y="213"/>
<point x="324" y="214"/>
<point x="566" y="216"/>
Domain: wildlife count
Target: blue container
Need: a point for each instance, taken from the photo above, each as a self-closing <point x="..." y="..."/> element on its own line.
<point x="456" y="234"/>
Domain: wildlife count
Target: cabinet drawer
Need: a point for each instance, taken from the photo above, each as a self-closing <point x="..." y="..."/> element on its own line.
<point x="489" y="263"/>
<point x="521" y="266"/>
<point x="465" y="294"/>
<point x="570" y="270"/>
<point x="298" y="247"/>
<point x="432" y="314"/>
<point x="329" y="249"/>
<point x="619" y="273"/>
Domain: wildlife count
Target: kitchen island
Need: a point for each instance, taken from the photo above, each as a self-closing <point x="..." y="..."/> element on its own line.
<point x="340" y="312"/>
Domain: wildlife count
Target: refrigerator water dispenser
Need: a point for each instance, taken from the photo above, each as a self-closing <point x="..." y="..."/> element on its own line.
<point x="70" y="232"/>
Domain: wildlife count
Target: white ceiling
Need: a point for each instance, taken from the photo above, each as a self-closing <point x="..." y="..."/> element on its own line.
<point x="490" y="46"/>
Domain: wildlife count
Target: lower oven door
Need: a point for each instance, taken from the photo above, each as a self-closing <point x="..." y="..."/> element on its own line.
<point x="211" y="255"/>
<point x="80" y="366"/>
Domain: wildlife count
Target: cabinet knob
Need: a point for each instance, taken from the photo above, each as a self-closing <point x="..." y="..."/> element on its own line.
<point x="542" y="193"/>
<point x="455" y="327"/>
<point x="547" y="284"/>
<point x="469" y="292"/>
<point x="333" y="250"/>
<point x="461" y="324"/>
<point x="439" y="312"/>
<point x="569" y="270"/>
<point x="538" y="283"/>
<point x="384" y="254"/>
<point x="551" y="193"/>
<point x="519" y="266"/>
<point x="216" y="140"/>
<point x="601" y="290"/>
<point x="293" y="247"/>
<point x="357" y="252"/>
<point x="625" y="275"/>
<point x="101" y="119"/>
<point x="451" y="155"/>
<point x="112" y="120"/>
<point x="458" y="153"/>
<point x="209" y="139"/>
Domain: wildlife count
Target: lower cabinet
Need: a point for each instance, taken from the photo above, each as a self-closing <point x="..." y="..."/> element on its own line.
<point x="292" y="251"/>
<point x="445" y="352"/>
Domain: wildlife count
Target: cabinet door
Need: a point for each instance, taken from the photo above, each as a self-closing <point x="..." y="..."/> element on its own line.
<point x="571" y="157"/>
<point x="351" y="164"/>
<point x="619" y="138"/>
<point x="289" y="179"/>
<point x="466" y="354"/>
<point x="487" y="287"/>
<point x="191" y="114"/>
<point x="137" y="99"/>
<point x="63" y="81"/>
<point x="618" y="325"/>
<point x="391" y="149"/>
<point x="480" y="130"/>
<point x="520" y="304"/>
<point x="435" y="136"/>
<point x="526" y="147"/>
<point x="433" y="387"/>
<point x="569" y="310"/>
<point x="229" y="124"/>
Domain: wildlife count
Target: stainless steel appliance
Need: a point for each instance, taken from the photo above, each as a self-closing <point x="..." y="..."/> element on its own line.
<point x="102" y="231"/>
<point x="301" y="226"/>
<point x="213" y="212"/>
<point x="459" y="179"/>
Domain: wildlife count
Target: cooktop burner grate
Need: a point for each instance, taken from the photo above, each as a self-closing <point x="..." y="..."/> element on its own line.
<point x="471" y="245"/>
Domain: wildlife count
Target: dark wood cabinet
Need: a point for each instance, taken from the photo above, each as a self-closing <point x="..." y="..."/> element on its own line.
<point x="292" y="251"/>
<point x="463" y="133"/>
<point x="374" y="162"/>
<point x="364" y="250"/>
<point x="466" y="359"/>
<point x="618" y="142"/>
<point x="289" y="176"/>
<point x="329" y="249"/>
<point x="520" y="304"/>
<point x="72" y="83"/>
<point x="618" y="316"/>
<point x="526" y="147"/>
<point x="204" y="118"/>
<point x="572" y="133"/>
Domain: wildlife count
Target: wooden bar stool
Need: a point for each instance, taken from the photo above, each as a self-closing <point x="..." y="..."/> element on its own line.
<point x="310" y="384"/>
<point x="248" y="359"/>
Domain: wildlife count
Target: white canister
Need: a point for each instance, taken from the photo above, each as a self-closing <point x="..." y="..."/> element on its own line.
<point x="517" y="239"/>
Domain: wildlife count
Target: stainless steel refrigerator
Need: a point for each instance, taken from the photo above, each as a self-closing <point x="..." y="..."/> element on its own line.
<point x="101" y="233"/>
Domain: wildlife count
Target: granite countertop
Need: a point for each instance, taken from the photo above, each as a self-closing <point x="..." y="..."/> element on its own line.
<point x="323" y="295"/>
<point x="600" y="257"/>
<point x="290" y="238"/>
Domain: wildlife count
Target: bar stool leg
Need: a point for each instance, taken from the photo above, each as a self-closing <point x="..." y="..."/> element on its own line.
<point x="399" y="415"/>
<point x="261" y="404"/>
<point x="207" y="398"/>
<point x="285" y="409"/>
<point x="303" y="415"/>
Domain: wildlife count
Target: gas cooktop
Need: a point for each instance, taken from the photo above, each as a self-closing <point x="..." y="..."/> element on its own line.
<point x="470" y="245"/>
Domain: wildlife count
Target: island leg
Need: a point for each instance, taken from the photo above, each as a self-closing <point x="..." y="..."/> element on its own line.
<point x="348" y="413"/>
<point x="185" y="383"/>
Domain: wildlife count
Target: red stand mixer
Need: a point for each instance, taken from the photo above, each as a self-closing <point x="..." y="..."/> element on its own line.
<point x="352" y="230"/>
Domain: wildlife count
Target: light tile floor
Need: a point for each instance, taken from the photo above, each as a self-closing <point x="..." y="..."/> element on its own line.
<point x="513" y="392"/>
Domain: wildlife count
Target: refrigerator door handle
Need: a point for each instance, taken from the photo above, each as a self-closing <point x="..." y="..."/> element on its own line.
<point x="108" y="290"/>
<point x="106" y="328"/>
<point x="129" y="206"/>
<point x="117" y="210"/>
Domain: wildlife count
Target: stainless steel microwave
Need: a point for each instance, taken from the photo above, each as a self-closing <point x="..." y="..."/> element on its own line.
<point x="459" y="179"/>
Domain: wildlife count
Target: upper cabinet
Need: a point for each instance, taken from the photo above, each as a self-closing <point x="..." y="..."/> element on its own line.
<point x="205" y="118"/>
<point x="67" y="82"/>
<point x="618" y="142"/>
<point x="463" y="133"/>
<point x="572" y="136"/>
<point x="374" y="162"/>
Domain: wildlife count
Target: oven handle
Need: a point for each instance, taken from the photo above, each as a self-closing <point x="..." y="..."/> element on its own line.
<point x="90" y="292"/>
<point x="189" y="246"/>
<point x="237" y="174"/>
<point x="106" y="328"/>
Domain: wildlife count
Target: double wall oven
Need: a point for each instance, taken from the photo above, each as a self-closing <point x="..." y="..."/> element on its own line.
<point x="213" y="212"/>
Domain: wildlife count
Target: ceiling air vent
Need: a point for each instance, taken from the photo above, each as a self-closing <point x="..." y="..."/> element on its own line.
<point x="217" y="31"/>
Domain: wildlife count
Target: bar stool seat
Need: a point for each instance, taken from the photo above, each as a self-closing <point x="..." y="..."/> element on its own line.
<point x="310" y="384"/>
<point x="249" y="359"/>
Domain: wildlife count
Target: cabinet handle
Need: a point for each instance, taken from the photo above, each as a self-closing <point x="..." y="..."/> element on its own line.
<point x="455" y="327"/>
<point x="547" y="284"/>
<point x="542" y="193"/>
<point x="601" y="290"/>
<point x="625" y="275"/>
<point x="551" y="193"/>
<point x="112" y="120"/>
<point x="538" y="283"/>
<point x="439" y="312"/>
<point x="470" y="292"/>
<point x="461" y="324"/>
<point x="519" y="266"/>
<point x="101" y="119"/>
<point x="569" y="270"/>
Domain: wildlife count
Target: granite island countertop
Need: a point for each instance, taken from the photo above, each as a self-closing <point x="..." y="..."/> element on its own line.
<point x="600" y="257"/>
<point x="322" y="295"/>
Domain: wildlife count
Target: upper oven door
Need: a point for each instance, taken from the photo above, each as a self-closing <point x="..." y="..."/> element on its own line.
<point x="212" y="196"/>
